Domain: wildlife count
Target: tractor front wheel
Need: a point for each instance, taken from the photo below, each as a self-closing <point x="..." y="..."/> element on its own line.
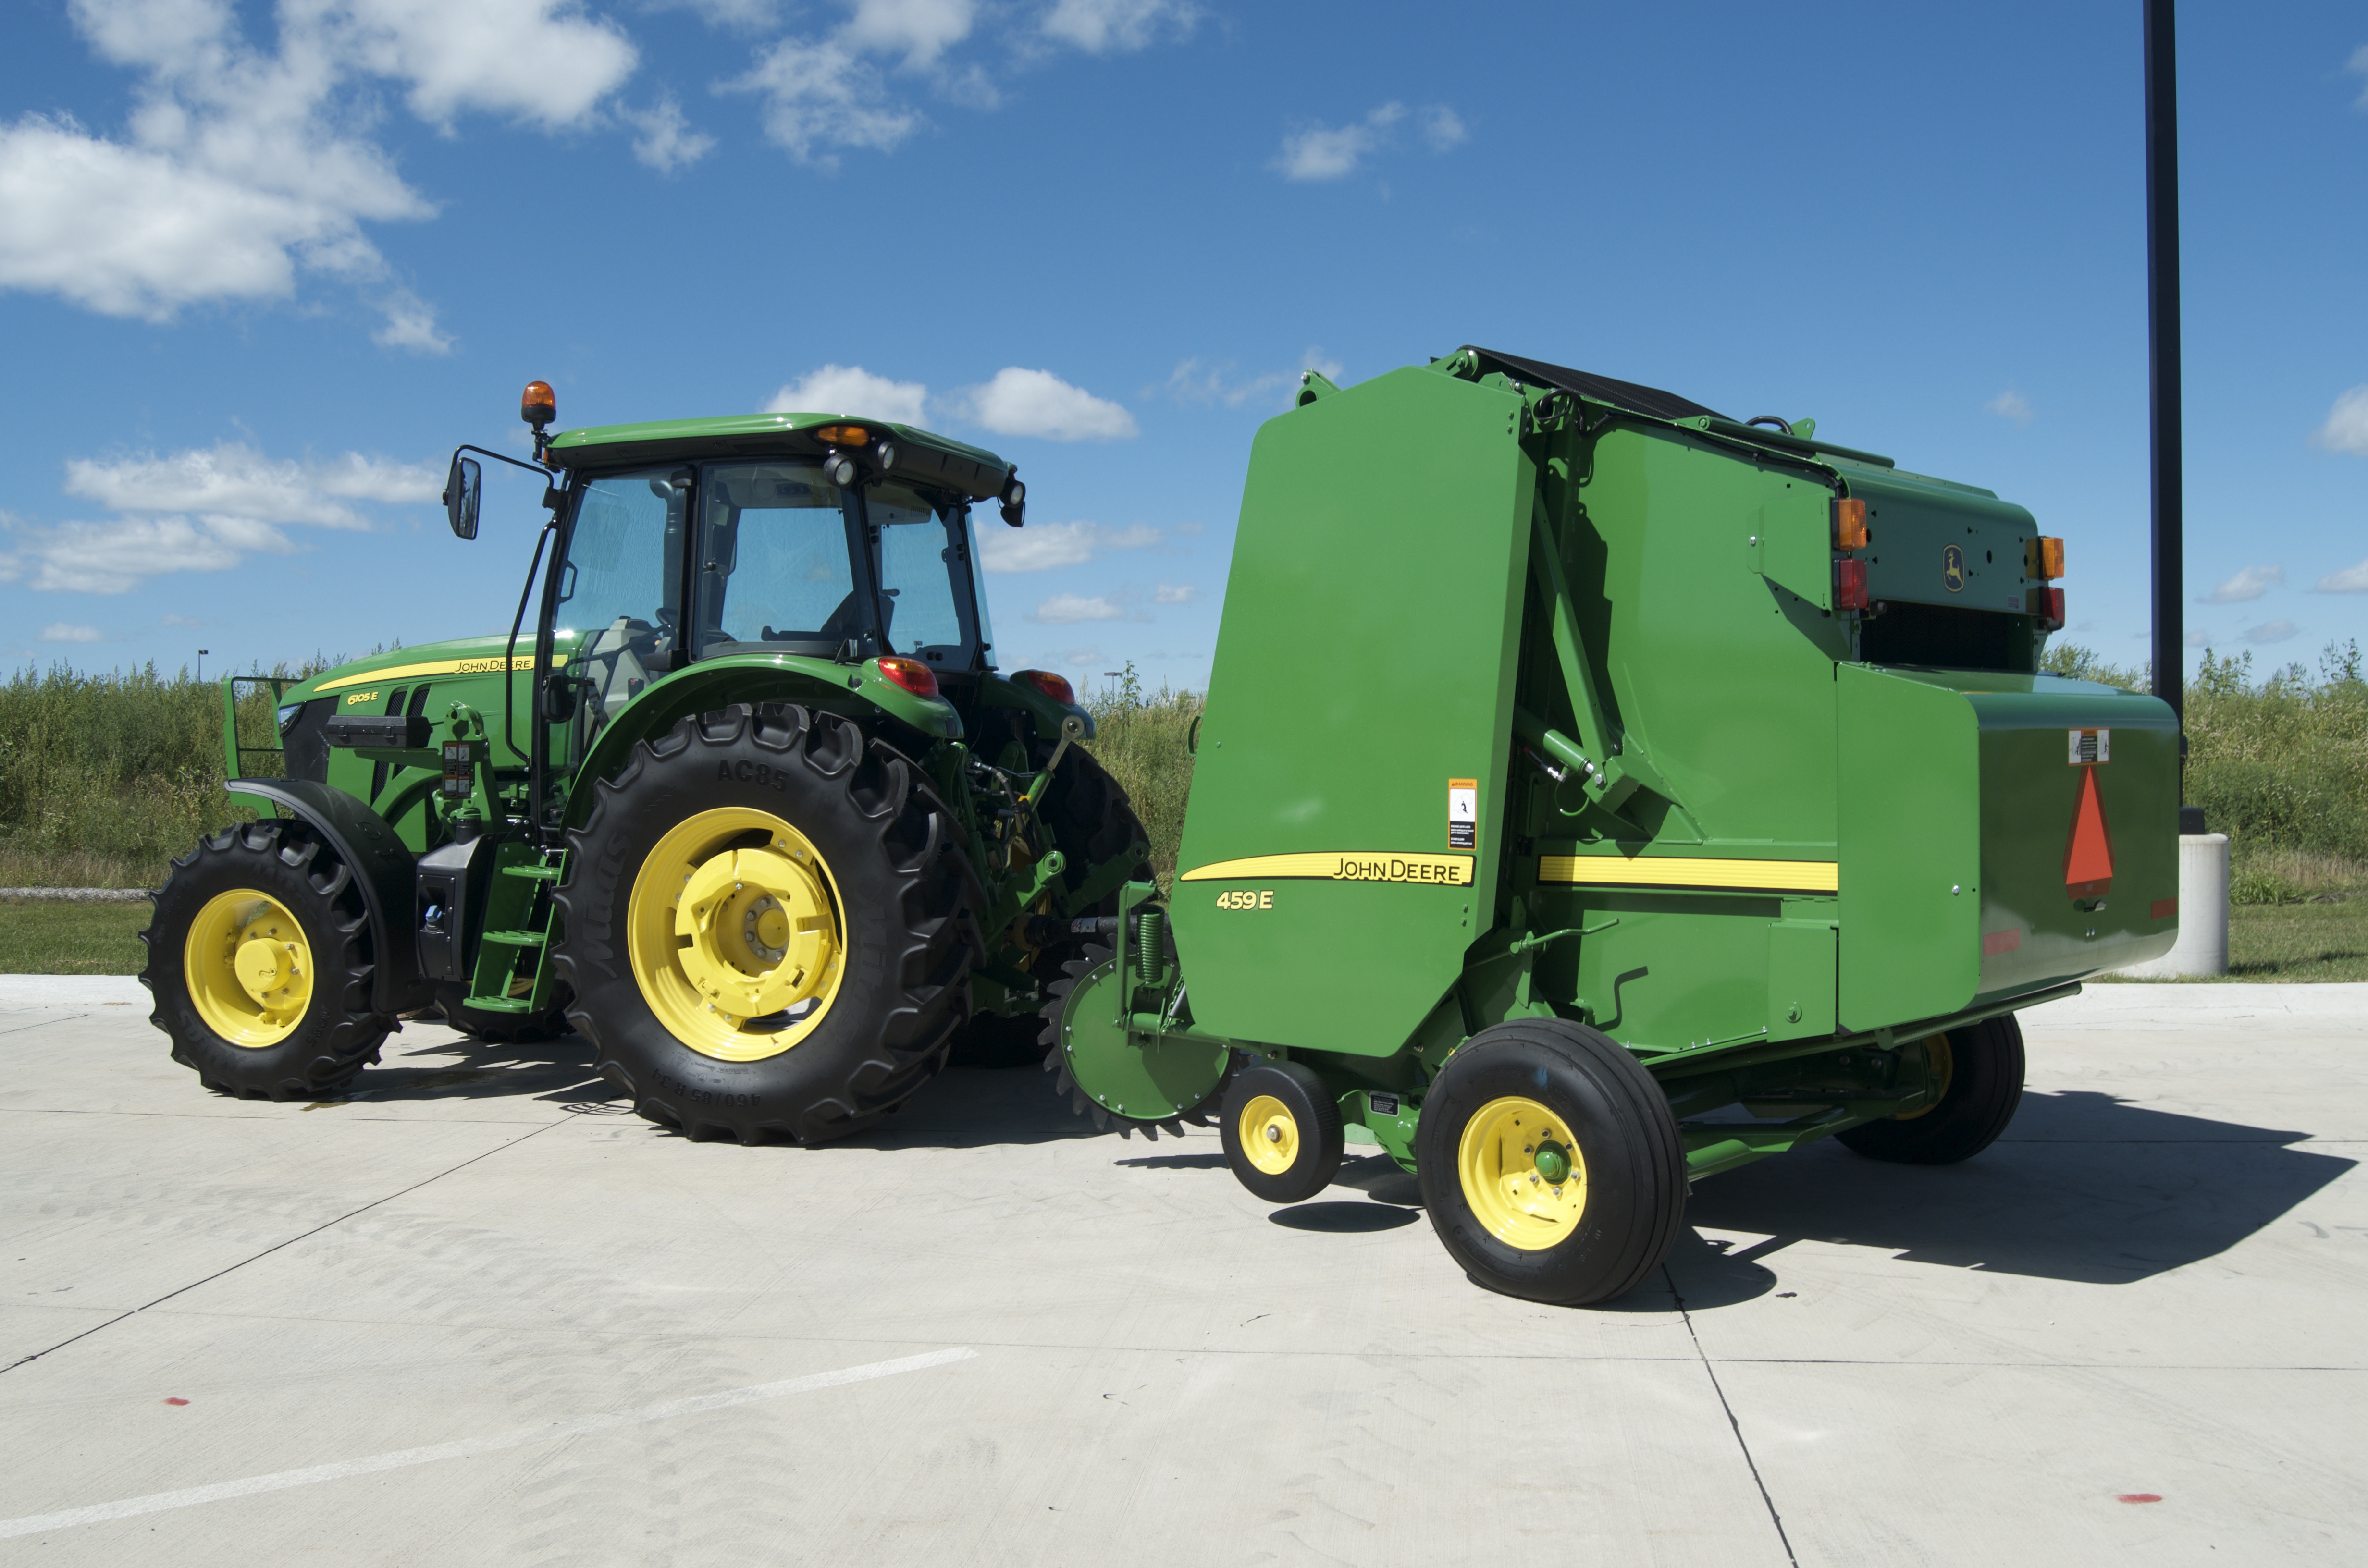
<point x="762" y="927"/>
<point x="1978" y="1071"/>
<point x="1551" y="1165"/>
<point x="259" y="961"/>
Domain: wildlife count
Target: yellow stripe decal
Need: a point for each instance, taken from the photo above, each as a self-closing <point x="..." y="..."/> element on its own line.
<point x="1450" y="870"/>
<point x="439" y="667"/>
<point x="1667" y="871"/>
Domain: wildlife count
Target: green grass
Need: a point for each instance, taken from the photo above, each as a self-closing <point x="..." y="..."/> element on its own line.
<point x="72" y="939"/>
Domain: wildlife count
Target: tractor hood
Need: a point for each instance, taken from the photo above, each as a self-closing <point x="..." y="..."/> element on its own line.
<point x="922" y="457"/>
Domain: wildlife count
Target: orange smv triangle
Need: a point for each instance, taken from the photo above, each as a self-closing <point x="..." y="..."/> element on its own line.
<point x="2089" y="867"/>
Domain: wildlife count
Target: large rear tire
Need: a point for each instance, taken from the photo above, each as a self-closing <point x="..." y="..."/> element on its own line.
<point x="1551" y="1165"/>
<point x="1980" y="1069"/>
<point x="259" y="958"/>
<point x="763" y="928"/>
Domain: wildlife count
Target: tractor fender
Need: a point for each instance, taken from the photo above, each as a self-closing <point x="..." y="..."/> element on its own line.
<point x="382" y="868"/>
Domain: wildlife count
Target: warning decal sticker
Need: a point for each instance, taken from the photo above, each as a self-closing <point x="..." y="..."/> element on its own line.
<point x="1463" y="813"/>
<point x="2088" y="862"/>
<point x="2087" y="745"/>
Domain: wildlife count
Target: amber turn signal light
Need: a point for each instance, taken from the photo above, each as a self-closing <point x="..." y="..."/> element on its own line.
<point x="842" y="435"/>
<point x="1849" y="524"/>
<point x="911" y="673"/>
<point x="1057" y="687"/>
<point x="536" y="405"/>
<point x="1849" y="585"/>
<point x="2043" y="558"/>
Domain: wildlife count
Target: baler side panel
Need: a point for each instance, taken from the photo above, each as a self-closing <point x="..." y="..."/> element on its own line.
<point x="1365" y="661"/>
<point x="1911" y="833"/>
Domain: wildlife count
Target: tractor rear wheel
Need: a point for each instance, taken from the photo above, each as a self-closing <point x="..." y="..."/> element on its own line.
<point x="1551" y="1165"/>
<point x="763" y="927"/>
<point x="259" y="958"/>
<point x="1979" y="1070"/>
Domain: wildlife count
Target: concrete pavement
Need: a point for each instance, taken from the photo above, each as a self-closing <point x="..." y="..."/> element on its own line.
<point x="476" y="1314"/>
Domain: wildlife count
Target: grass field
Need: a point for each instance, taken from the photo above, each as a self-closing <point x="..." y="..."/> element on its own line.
<point x="2286" y="941"/>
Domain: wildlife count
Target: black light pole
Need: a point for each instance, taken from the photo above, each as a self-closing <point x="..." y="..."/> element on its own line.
<point x="2162" y="311"/>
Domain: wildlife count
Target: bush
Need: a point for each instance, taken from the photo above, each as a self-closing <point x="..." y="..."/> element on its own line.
<point x="1141" y="738"/>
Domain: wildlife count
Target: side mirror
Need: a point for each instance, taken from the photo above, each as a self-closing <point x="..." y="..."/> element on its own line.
<point x="463" y="489"/>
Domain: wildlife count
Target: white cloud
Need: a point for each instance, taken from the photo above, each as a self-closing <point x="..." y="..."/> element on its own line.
<point x="1041" y="546"/>
<point x="2250" y="584"/>
<point x="410" y="323"/>
<point x="2346" y="430"/>
<point x="820" y="95"/>
<point x="2194" y="639"/>
<point x="744" y="16"/>
<point x="1174" y="594"/>
<point x="2359" y="66"/>
<point x="1068" y="610"/>
<point x="1116" y="27"/>
<point x="1194" y="380"/>
<point x="60" y="631"/>
<point x="240" y="170"/>
<point x="1443" y="128"/>
<point x="920" y="30"/>
<point x="1323" y="152"/>
<point x="2351" y="580"/>
<point x="2010" y="405"/>
<point x="1037" y="402"/>
<point x="186" y="623"/>
<point x="2271" y="632"/>
<point x="853" y="389"/>
<point x="666" y="142"/>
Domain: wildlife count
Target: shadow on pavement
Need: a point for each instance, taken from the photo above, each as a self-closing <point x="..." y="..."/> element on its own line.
<point x="1336" y="1217"/>
<point x="2084" y="1187"/>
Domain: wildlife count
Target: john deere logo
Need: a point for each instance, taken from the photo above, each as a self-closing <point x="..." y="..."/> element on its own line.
<point x="1953" y="568"/>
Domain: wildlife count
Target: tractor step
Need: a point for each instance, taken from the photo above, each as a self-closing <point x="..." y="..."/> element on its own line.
<point x="533" y="873"/>
<point x="501" y="1004"/>
<point x="515" y="938"/>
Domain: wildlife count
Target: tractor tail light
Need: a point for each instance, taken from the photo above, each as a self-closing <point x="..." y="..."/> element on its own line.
<point x="1849" y="524"/>
<point x="2049" y="603"/>
<point x="1849" y="585"/>
<point x="2043" y="559"/>
<point x="911" y="673"/>
<point x="1054" y="687"/>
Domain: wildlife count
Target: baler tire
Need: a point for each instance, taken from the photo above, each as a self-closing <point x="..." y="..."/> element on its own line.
<point x="1984" y="1090"/>
<point x="905" y="980"/>
<point x="1281" y="1128"/>
<point x="1623" y="1145"/>
<point x="338" y="1033"/>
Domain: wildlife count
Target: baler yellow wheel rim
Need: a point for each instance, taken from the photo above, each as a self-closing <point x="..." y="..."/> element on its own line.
<point x="734" y="933"/>
<point x="1940" y="1069"/>
<point x="1269" y="1135"/>
<point x="1507" y="1161"/>
<point x="249" y="968"/>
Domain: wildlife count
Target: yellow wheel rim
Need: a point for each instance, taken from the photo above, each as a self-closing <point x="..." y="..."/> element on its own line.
<point x="1940" y="1069"/>
<point x="734" y="936"/>
<point x="249" y="968"/>
<point x="1522" y="1174"/>
<point x="1269" y="1133"/>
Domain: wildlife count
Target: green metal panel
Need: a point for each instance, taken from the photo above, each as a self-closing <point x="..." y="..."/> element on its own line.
<point x="1800" y="980"/>
<point x="1677" y="970"/>
<point x="1915" y="522"/>
<point x="1911" y="834"/>
<point x="1795" y="540"/>
<point x="1365" y="661"/>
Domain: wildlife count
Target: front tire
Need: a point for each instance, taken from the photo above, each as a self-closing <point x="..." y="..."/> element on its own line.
<point x="763" y="928"/>
<point x="1980" y="1072"/>
<point x="259" y="959"/>
<point x="1551" y="1165"/>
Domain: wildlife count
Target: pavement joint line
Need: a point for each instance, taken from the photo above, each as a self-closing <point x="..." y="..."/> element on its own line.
<point x="469" y="1447"/>
<point x="266" y="1116"/>
<point x="44" y="1023"/>
<point x="275" y="1246"/>
<point x="1732" y="1424"/>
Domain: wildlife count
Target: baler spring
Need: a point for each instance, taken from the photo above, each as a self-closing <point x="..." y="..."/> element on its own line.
<point x="1150" y="945"/>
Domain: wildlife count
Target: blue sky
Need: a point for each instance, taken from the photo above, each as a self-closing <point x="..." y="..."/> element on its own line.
<point x="263" y="265"/>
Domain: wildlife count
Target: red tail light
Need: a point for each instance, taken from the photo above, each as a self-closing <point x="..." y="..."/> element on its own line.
<point x="911" y="673"/>
<point x="1057" y="687"/>
<point x="2049" y="603"/>
<point x="1849" y="585"/>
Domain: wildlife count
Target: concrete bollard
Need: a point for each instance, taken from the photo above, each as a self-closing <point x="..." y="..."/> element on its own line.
<point x="2203" y="945"/>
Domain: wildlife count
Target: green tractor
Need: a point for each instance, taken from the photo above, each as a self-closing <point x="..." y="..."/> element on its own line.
<point x="1596" y="793"/>
<point x="748" y="803"/>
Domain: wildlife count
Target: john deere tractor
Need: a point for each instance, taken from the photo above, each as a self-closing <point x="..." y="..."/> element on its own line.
<point x="747" y="801"/>
<point x="1597" y="793"/>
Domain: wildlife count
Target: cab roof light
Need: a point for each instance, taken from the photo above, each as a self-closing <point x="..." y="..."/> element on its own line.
<point x="2042" y="558"/>
<point x="1849" y="523"/>
<point x="2049" y="603"/>
<point x="843" y="435"/>
<point x="1057" y="687"/>
<point x="1849" y="585"/>
<point x="911" y="673"/>
<point x="537" y="407"/>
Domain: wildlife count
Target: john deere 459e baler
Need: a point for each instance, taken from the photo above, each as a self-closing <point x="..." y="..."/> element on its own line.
<point x="1594" y="793"/>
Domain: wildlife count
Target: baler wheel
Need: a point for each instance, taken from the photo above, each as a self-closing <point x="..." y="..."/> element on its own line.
<point x="1282" y="1132"/>
<point x="258" y="959"/>
<point x="764" y="928"/>
<point x="1980" y="1070"/>
<point x="1550" y="1165"/>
